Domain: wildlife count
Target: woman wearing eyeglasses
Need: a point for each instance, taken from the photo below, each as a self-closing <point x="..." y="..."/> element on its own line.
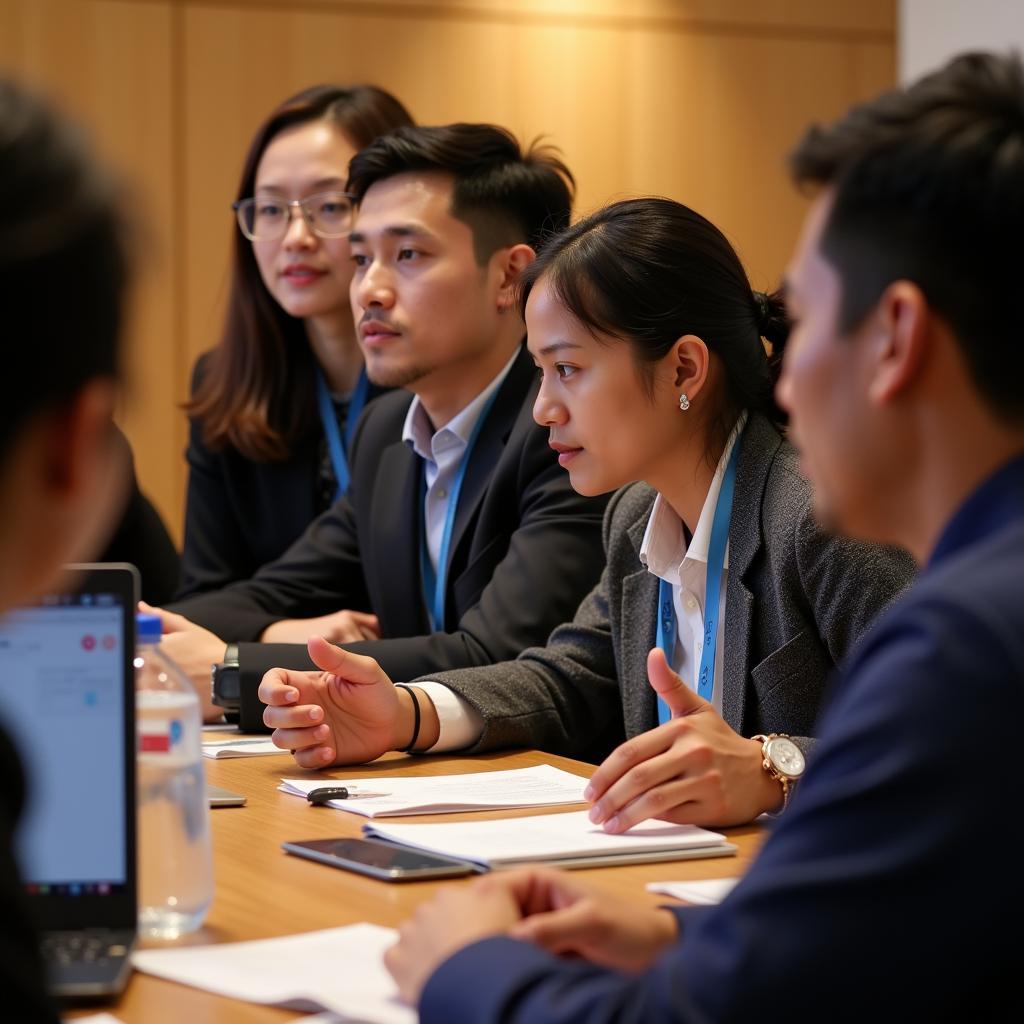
<point x="274" y="405"/>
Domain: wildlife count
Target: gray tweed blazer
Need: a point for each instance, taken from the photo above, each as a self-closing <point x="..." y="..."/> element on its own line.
<point x="797" y="600"/>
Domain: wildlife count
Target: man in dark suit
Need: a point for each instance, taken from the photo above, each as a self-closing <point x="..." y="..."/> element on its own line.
<point x="459" y="532"/>
<point x="62" y="472"/>
<point x="903" y="382"/>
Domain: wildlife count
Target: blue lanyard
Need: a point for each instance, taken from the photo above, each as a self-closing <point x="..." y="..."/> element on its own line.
<point x="666" y="638"/>
<point x="434" y="582"/>
<point x="328" y="418"/>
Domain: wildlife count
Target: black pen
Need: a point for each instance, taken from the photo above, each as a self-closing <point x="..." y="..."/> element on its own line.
<point x="322" y="794"/>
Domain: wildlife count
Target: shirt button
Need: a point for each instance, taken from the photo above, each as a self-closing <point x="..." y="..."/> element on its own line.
<point x="690" y="603"/>
<point x="442" y="493"/>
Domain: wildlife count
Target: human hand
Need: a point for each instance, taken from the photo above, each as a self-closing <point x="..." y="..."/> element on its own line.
<point x="195" y="650"/>
<point x="454" y="918"/>
<point x="694" y="769"/>
<point x="347" y="714"/>
<point x="566" y="916"/>
<point x="344" y="627"/>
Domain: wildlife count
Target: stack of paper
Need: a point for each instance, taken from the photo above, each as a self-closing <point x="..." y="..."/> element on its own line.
<point x="565" y="840"/>
<point x="339" y="969"/>
<point x="541" y="786"/>
<point x="240" y="748"/>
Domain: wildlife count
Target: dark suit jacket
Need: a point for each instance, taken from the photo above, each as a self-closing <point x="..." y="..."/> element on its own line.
<point x="796" y="601"/>
<point x="22" y="982"/>
<point x="875" y="899"/>
<point x="525" y="549"/>
<point x="141" y="538"/>
<point x="240" y="513"/>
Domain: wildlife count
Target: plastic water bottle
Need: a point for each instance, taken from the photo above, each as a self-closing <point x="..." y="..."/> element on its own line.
<point x="175" y="859"/>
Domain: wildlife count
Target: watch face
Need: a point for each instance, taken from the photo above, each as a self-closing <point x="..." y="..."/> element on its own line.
<point x="786" y="757"/>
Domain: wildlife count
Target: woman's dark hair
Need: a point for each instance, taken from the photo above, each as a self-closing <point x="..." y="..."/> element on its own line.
<point x="928" y="186"/>
<point x="257" y="392"/>
<point x="505" y="194"/>
<point x="63" y="262"/>
<point x="649" y="271"/>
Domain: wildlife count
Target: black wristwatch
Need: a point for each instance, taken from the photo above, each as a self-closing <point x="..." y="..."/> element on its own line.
<point x="226" y="681"/>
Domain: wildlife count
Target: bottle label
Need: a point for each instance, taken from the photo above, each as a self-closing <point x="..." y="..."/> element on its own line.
<point x="160" y="735"/>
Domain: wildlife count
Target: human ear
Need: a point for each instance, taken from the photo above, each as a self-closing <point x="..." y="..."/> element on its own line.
<point x="689" y="361"/>
<point x="511" y="263"/>
<point x="898" y="341"/>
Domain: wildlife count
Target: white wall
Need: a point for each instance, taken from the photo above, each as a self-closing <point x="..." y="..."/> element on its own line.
<point x="931" y="31"/>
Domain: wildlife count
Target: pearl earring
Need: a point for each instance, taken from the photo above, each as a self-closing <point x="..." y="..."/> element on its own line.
<point x="684" y="402"/>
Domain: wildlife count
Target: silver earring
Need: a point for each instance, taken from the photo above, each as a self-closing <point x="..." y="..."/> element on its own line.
<point x="684" y="402"/>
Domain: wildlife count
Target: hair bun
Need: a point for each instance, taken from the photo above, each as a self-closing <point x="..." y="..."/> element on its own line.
<point x="771" y="319"/>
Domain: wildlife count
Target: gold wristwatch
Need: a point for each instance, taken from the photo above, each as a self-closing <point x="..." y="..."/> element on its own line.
<point x="783" y="760"/>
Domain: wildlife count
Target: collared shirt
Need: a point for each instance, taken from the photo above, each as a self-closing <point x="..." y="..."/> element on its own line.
<point x="684" y="567"/>
<point x="442" y="453"/>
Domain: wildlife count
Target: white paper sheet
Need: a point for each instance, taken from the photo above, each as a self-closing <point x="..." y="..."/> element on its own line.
<point x="541" y="786"/>
<point x="549" y="837"/>
<point x="339" y="969"/>
<point x="99" y="1018"/>
<point x="706" y="891"/>
<point x="240" y="748"/>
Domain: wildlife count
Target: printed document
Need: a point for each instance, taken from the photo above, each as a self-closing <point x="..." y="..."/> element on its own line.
<point x="541" y="786"/>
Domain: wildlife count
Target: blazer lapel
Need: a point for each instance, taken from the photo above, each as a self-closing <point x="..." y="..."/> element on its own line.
<point x="760" y="443"/>
<point x="490" y="444"/>
<point x="639" y="634"/>
<point x="398" y="497"/>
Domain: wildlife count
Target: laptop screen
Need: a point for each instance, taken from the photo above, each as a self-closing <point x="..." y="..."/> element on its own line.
<point x="67" y="703"/>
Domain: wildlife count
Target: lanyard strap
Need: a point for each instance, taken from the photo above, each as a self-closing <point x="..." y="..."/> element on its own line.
<point x="666" y="637"/>
<point x="434" y="583"/>
<point x="336" y="447"/>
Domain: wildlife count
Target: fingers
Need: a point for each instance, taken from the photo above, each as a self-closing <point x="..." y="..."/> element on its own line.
<point x="681" y="700"/>
<point x="625" y="757"/>
<point x="170" y="622"/>
<point x="560" y="931"/>
<point x="280" y="687"/>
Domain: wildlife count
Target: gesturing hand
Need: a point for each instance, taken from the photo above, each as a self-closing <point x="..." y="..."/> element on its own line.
<point x="345" y="714"/>
<point x="693" y="769"/>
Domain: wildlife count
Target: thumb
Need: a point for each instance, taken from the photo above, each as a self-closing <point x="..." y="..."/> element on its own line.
<point x="353" y="668"/>
<point x="681" y="700"/>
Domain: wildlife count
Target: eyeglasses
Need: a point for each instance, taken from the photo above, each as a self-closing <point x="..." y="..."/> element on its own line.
<point x="265" y="219"/>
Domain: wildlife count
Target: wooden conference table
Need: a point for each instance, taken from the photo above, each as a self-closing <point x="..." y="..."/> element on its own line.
<point x="261" y="892"/>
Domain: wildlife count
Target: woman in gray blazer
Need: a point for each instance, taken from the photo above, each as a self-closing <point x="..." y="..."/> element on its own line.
<point x="649" y="342"/>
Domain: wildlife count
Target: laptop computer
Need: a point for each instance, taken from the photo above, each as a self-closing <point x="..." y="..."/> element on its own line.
<point x="67" y="701"/>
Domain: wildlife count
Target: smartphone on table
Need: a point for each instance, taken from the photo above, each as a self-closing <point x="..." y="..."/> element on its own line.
<point x="381" y="860"/>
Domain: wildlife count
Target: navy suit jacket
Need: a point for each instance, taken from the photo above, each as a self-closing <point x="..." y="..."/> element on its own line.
<point x="875" y="898"/>
<point x="525" y="550"/>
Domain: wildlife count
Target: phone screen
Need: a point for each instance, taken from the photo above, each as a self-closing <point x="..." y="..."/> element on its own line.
<point x="380" y="859"/>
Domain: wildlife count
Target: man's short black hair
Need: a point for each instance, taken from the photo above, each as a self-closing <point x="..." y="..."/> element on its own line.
<point x="507" y="196"/>
<point x="928" y="187"/>
<point x="62" y="263"/>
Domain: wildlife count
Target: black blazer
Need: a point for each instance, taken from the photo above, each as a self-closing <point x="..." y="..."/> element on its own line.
<point x="241" y="513"/>
<point x="525" y="550"/>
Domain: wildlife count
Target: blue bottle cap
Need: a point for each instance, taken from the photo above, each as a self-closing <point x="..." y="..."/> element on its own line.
<point x="148" y="628"/>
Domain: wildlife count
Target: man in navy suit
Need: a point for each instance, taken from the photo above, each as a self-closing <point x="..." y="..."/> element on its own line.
<point x="874" y="898"/>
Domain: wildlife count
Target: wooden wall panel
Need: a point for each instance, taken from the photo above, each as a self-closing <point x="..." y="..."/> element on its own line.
<point x="109" y="63"/>
<point x="695" y="99"/>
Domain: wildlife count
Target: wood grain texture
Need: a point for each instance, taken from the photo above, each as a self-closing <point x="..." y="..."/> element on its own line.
<point x="262" y="892"/>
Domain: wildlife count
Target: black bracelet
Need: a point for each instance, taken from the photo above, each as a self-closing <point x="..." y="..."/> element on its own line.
<point x="415" y="719"/>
